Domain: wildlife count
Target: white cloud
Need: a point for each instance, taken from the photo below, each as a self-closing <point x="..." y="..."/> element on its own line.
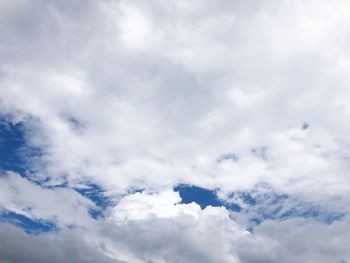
<point x="160" y="90"/>
<point x="155" y="228"/>
<point x="151" y="119"/>
<point x="64" y="206"/>
<point x="163" y="205"/>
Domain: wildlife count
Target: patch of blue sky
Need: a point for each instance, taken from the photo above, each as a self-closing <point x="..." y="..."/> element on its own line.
<point x="15" y="152"/>
<point x="258" y="206"/>
<point x="30" y="226"/>
<point x="11" y="142"/>
<point x="203" y="197"/>
<point x="96" y="194"/>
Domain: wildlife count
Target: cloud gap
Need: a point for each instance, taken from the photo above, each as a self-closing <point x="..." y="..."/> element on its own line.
<point x="30" y="226"/>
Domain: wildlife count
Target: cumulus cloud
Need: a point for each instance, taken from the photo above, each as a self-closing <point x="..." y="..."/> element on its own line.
<point x="147" y="95"/>
<point x="156" y="228"/>
<point x="144" y="227"/>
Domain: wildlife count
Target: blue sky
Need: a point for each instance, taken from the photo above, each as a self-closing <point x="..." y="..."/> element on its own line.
<point x="12" y="144"/>
<point x="177" y="131"/>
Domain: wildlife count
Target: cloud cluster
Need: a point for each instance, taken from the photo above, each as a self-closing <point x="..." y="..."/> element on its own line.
<point x="150" y="94"/>
<point x="143" y="227"/>
<point x="131" y="94"/>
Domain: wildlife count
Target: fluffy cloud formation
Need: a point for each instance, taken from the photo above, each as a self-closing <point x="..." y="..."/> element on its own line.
<point x="146" y="95"/>
<point x="127" y="89"/>
<point x="143" y="227"/>
<point x="156" y="228"/>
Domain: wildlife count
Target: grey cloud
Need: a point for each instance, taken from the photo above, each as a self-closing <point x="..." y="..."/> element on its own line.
<point x="17" y="246"/>
<point x="296" y="240"/>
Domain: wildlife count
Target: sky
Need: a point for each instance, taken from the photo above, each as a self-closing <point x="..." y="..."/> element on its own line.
<point x="175" y="131"/>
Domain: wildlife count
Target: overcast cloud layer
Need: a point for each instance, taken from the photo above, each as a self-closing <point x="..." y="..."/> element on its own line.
<point x="233" y="96"/>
